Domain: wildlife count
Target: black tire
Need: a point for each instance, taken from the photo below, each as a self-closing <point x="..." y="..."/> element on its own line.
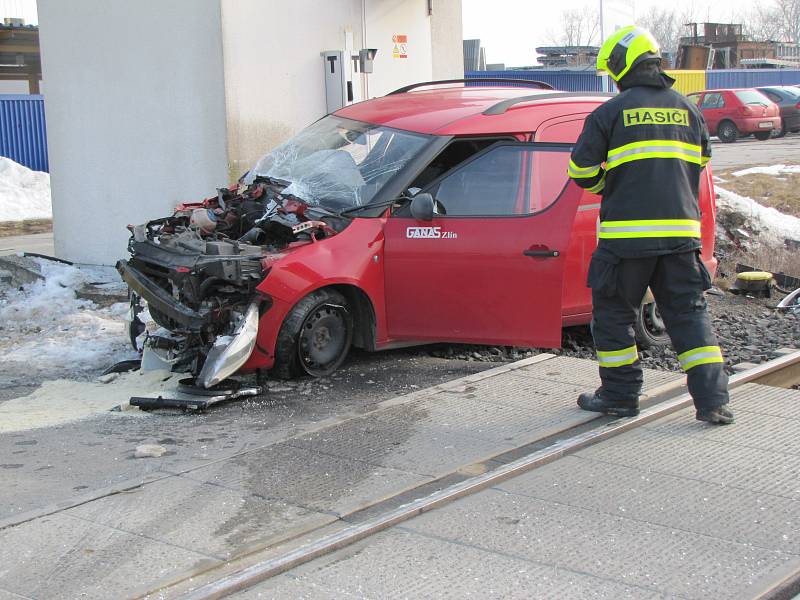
<point x="315" y="336"/>
<point x="783" y="131"/>
<point x="728" y="132"/>
<point x="649" y="327"/>
<point x="762" y="135"/>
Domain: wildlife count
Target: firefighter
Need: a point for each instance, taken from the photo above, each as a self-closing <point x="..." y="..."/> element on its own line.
<point x="644" y="150"/>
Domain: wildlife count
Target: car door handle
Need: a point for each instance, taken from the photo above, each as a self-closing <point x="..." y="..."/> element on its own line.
<point x="544" y="253"/>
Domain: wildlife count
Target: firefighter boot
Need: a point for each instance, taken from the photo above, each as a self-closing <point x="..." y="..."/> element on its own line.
<point x="618" y="407"/>
<point x="719" y="415"/>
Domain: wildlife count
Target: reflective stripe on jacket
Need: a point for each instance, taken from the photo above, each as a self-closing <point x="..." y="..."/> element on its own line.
<point x="644" y="150"/>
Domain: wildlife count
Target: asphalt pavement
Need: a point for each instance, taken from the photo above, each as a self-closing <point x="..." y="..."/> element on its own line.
<point x="750" y="152"/>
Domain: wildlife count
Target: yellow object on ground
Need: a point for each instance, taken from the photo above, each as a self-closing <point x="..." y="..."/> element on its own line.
<point x="754" y="276"/>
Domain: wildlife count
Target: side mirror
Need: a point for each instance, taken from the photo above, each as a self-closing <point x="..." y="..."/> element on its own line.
<point x="422" y="207"/>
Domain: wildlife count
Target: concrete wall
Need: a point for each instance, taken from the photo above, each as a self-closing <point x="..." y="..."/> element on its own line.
<point x="135" y="115"/>
<point x="447" y="33"/>
<point x="274" y="82"/>
<point x="385" y="19"/>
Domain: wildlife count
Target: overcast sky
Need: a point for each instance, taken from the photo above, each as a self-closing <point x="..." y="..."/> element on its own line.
<point x="511" y="29"/>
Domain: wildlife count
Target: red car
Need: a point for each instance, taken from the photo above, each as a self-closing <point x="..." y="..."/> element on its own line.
<point x="433" y="214"/>
<point x="731" y="114"/>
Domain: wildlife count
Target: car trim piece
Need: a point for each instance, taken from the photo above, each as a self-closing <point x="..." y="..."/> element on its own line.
<point x="501" y="107"/>
<point x="511" y="83"/>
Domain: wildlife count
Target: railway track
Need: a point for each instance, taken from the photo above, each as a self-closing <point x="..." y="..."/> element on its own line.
<point x="236" y="576"/>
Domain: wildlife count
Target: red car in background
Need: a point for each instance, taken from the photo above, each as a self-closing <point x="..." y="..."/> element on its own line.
<point x="734" y="113"/>
<point x="433" y="214"/>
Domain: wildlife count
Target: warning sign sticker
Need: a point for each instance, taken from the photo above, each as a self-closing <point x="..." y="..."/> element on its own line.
<point x="400" y="49"/>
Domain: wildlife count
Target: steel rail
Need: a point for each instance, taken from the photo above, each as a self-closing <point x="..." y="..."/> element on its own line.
<point x="252" y="575"/>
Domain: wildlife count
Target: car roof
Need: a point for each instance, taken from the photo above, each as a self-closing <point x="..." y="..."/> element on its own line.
<point x="459" y="110"/>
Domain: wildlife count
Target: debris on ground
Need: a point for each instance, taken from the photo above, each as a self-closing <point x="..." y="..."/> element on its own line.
<point x="149" y="451"/>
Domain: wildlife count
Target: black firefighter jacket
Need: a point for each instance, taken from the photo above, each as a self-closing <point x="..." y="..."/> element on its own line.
<point x="644" y="150"/>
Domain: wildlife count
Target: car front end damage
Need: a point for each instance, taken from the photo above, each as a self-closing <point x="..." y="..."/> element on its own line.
<point x="197" y="274"/>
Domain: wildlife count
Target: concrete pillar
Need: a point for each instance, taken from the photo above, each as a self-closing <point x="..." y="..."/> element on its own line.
<point x="135" y="107"/>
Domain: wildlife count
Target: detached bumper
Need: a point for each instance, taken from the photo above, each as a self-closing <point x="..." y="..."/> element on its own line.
<point x="159" y="299"/>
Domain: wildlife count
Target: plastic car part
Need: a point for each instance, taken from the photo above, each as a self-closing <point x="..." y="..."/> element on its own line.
<point x="229" y="353"/>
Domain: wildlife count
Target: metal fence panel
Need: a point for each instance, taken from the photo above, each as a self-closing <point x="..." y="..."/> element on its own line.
<point x="688" y="81"/>
<point x="568" y="81"/>
<point x="745" y="78"/>
<point x="23" y="134"/>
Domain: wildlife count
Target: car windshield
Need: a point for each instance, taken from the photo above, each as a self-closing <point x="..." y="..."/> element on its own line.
<point x="752" y="97"/>
<point x="338" y="163"/>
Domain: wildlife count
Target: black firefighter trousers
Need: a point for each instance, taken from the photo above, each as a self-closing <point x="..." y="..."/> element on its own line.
<point x="677" y="282"/>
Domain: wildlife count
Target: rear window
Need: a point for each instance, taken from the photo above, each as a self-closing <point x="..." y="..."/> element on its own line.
<point x="752" y="97"/>
<point x="793" y="92"/>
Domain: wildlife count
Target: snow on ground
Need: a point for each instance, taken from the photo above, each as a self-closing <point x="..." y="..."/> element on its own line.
<point x="770" y="170"/>
<point x="24" y="194"/>
<point x="47" y="332"/>
<point x="770" y="226"/>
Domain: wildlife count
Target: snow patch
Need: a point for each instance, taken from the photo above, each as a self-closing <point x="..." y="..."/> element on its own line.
<point x="47" y="331"/>
<point x="770" y="226"/>
<point x="24" y="194"/>
<point x="770" y="170"/>
<point x="63" y="401"/>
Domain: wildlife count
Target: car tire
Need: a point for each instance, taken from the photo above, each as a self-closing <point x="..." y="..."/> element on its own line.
<point x="783" y="131"/>
<point x="649" y="327"/>
<point x="315" y="336"/>
<point x="728" y="132"/>
<point x="762" y="136"/>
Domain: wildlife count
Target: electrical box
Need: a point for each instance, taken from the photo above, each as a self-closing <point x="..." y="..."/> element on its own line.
<point x="365" y="58"/>
<point x="336" y="93"/>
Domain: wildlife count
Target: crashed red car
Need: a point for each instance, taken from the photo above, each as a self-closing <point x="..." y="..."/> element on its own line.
<point x="433" y="214"/>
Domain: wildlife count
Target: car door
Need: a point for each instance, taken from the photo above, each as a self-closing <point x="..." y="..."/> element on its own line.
<point x="713" y="107"/>
<point x="576" y="296"/>
<point x="489" y="267"/>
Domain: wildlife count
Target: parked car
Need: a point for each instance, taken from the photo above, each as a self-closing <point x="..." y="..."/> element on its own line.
<point x="734" y="113"/>
<point x="432" y="214"/>
<point x="788" y="100"/>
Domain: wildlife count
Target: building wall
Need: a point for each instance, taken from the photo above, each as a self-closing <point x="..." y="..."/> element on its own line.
<point x="135" y="115"/>
<point x="447" y="33"/>
<point x="386" y="19"/>
<point x="274" y="82"/>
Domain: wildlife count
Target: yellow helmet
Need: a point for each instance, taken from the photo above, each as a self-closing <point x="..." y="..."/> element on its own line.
<point x="625" y="48"/>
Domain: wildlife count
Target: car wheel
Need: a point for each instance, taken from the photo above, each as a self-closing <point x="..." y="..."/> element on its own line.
<point x="762" y="135"/>
<point x="315" y="336"/>
<point x="727" y="132"/>
<point x="782" y="131"/>
<point x="649" y="327"/>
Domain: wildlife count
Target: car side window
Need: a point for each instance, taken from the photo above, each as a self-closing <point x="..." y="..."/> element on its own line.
<point x="712" y="101"/>
<point x="488" y="185"/>
<point x="772" y="96"/>
<point x="695" y="98"/>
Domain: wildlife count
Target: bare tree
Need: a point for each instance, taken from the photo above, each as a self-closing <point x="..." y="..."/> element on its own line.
<point x="762" y="22"/>
<point x="580" y="27"/>
<point x="789" y="15"/>
<point x="668" y="25"/>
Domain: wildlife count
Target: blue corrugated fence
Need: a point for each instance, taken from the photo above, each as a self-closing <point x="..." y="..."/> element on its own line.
<point x="23" y="134"/>
<point x="588" y="81"/>
<point x="569" y="81"/>
<point x="745" y="78"/>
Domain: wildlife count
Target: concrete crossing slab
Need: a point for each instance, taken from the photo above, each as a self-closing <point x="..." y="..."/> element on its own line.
<point x="430" y="567"/>
<point x="64" y="557"/>
<point x="201" y="517"/>
<point x="303" y="477"/>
